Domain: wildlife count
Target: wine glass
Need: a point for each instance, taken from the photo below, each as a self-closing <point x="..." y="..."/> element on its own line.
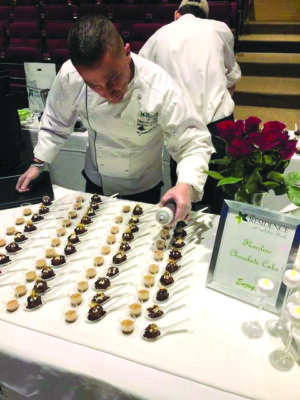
<point x="279" y="327"/>
<point x="281" y="359"/>
<point x="264" y="287"/>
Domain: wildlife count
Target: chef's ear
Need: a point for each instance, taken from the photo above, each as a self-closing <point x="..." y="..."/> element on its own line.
<point x="127" y="50"/>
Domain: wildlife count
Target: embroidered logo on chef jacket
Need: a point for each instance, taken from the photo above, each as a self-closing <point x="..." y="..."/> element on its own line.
<point x="146" y="122"/>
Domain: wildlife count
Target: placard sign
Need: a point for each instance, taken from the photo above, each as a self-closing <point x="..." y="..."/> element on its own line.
<point x="252" y="243"/>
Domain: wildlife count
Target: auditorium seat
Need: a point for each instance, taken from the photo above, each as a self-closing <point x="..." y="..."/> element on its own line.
<point x="58" y="13"/>
<point x="140" y="33"/>
<point x="14" y="54"/>
<point x="59" y="56"/>
<point x="162" y="13"/>
<point x="3" y="39"/>
<point x="26" y="14"/>
<point x="127" y="15"/>
<point x="220" y="11"/>
<point x="5" y="16"/>
<point x="27" y="34"/>
<point x="92" y="9"/>
<point x="56" y="36"/>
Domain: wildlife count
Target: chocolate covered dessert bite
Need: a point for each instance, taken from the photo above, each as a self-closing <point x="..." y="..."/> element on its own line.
<point x="43" y="210"/>
<point x="179" y="233"/>
<point x="86" y="220"/>
<point x="127" y="235"/>
<point x="137" y="210"/>
<point x="40" y="286"/>
<point x="69" y="249"/>
<point x="119" y="258"/>
<point x="102" y="283"/>
<point x="12" y="247"/>
<point x="30" y="227"/>
<point x="166" y="279"/>
<point x="154" y="312"/>
<point x="4" y="259"/>
<point x="162" y="294"/>
<point x="134" y="220"/>
<point x="20" y="237"/>
<point x="134" y="228"/>
<point x="73" y="238"/>
<point x="175" y="254"/>
<point x="96" y="312"/>
<point x="124" y="246"/>
<point x="80" y="229"/>
<point x="46" y="201"/>
<point x="58" y="260"/>
<point x="36" y="217"/>
<point x="112" y="271"/>
<point x="33" y="300"/>
<point x="180" y="225"/>
<point x="151" y="332"/>
<point x="100" y="298"/>
<point x="90" y="212"/>
<point x="178" y="243"/>
<point x="47" y="273"/>
<point x="94" y="205"/>
<point x="172" y="267"/>
<point x="96" y="198"/>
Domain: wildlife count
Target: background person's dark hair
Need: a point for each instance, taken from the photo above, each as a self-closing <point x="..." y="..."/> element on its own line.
<point x="90" y="38"/>
<point x="195" y="10"/>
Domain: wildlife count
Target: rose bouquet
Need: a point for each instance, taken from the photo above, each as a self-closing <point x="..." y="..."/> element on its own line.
<point x="256" y="160"/>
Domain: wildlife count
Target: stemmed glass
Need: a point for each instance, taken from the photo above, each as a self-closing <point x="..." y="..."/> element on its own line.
<point x="278" y="327"/>
<point x="253" y="329"/>
<point x="281" y="359"/>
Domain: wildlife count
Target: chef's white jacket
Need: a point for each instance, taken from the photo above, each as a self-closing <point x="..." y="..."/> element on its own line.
<point x="124" y="152"/>
<point x="198" y="54"/>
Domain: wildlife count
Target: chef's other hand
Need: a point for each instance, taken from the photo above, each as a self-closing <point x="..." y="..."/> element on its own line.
<point x="25" y="179"/>
<point x="181" y="195"/>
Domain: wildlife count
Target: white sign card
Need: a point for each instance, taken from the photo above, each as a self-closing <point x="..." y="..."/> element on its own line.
<point x="252" y="243"/>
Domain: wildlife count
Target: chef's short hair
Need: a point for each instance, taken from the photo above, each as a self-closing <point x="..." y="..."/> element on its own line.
<point x="196" y="11"/>
<point x="91" y="38"/>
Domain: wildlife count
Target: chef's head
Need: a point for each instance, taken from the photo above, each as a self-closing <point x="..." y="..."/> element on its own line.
<point x="199" y="8"/>
<point x="98" y="53"/>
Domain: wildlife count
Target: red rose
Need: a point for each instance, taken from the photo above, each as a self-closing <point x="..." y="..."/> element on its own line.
<point x="287" y="151"/>
<point x="274" y="126"/>
<point x="239" y="128"/>
<point x="265" y="141"/>
<point x="226" y="130"/>
<point x="252" y="124"/>
<point x="240" y="148"/>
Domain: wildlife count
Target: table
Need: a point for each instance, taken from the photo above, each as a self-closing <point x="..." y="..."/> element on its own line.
<point x="224" y="363"/>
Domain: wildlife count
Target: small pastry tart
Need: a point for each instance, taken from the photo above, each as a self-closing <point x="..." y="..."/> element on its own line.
<point x="161" y="244"/>
<point x="98" y="261"/>
<point x="158" y="255"/>
<point x="72" y="214"/>
<point x="118" y="219"/>
<point x="60" y="231"/>
<point x="66" y="223"/>
<point x="153" y="268"/>
<point x="55" y="242"/>
<point x="27" y="211"/>
<point x="126" y="209"/>
<point x="127" y="325"/>
<point x="41" y="263"/>
<point x="111" y="239"/>
<point x="91" y="273"/>
<point x="77" y="206"/>
<point x="135" y="309"/>
<point x="11" y="230"/>
<point x="71" y="316"/>
<point x="30" y="276"/>
<point x="76" y="299"/>
<point x="143" y="294"/>
<point x="82" y="286"/>
<point x="20" y="290"/>
<point x="165" y="234"/>
<point x="49" y="253"/>
<point x="20" y="221"/>
<point x="79" y="199"/>
<point x="105" y="250"/>
<point x="114" y="230"/>
<point x="12" y="305"/>
<point x="148" y="280"/>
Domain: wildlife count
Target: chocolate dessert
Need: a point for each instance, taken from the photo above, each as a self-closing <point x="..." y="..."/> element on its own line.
<point x="162" y="294"/>
<point x="43" y="209"/>
<point x="100" y="298"/>
<point x="178" y="243"/>
<point x="119" y="257"/>
<point x="46" y="201"/>
<point x="29" y="227"/>
<point x="12" y="247"/>
<point x="180" y="225"/>
<point x="151" y="331"/>
<point x="112" y="271"/>
<point x="80" y="229"/>
<point x="58" y="260"/>
<point x="69" y="249"/>
<point x="134" y="228"/>
<point x="47" y="273"/>
<point x="175" y="254"/>
<point x="172" y="267"/>
<point x="4" y="259"/>
<point x="166" y="279"/>
<point x="33" y="301"/>
<point x="137" y="210"/>
<point x="36" y="217"/>
<point x="96" y="312"/>
<point x="102" y="283"/>
<point x="179" y="233"/>
<point x="96" y="198"/>
<point x="124" y="246"/>
<point x="127" y="236"/>
<point x="90" y="212"/>
<point x="73" y="238"/>
<point x="94" y="205"/>
<point x="20" y="237"/>
<point x="134" y="220"/>
<point x="86" y="220"/>
<point x="154" y="312"/>
<point x="40" y="286"/>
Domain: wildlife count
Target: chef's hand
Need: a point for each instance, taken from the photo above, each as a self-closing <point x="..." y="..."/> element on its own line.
<point x="25" y="179"/>
<point x="181" y="195"/>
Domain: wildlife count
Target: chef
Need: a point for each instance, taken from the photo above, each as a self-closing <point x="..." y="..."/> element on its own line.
<point x="130" y="106"/>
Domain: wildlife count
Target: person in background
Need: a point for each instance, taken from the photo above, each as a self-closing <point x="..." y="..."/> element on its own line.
<point x="129" y="106"/>
<point x="198" y="54"/>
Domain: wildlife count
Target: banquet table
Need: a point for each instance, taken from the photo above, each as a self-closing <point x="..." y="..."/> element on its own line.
<point x="44" y="358"/>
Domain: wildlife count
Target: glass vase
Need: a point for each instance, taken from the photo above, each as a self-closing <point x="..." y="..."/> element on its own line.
<point x="256" y="199"/>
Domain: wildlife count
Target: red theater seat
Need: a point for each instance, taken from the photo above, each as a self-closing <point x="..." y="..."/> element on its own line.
<point x="140" y="33"/>
<point x="27" y="34"/>
<point x="26" y="14"/>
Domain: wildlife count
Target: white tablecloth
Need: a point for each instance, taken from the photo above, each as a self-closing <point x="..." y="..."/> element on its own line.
<point x="214" y="361"/>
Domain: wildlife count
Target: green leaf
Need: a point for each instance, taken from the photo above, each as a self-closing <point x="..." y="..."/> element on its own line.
<point x="228" y="181"/>
<point x="294" y="195"/>
<point x="219" y="162"/>
<point x="214" y="174"/>
<point x="292" y="178"/>
<point x="268" y="160"/>
<point x="292" y="181"/>
<point x="252" y="185"/>
<point x="281" y="189"/>
<point x="271" y="185"/>
<point x="275" y="176"/>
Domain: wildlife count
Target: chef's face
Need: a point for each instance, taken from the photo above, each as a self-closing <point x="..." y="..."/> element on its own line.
<point x="109" y="77"/>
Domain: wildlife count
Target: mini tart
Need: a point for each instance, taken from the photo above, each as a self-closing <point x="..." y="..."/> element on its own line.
<point x="49" y="253"/>
<point x="46" y="201"/>
<point x="20" y="290"/>
<point x="72" y="214"/>
<point x="82" y="286"/>
<point x="126" y="209"/>
<point x="90" y="273"/>
<point x="20" y="221"/>
<point x="143" y="294"/>
<point x="12" y="247"/>
<point x="153" y="268"/>
<point x="98" y="261"/>
<point x="96" y="312"/>
<point x="76" y="299"/>
<point x="151" y="331"/>
<point x="20" y="237"/>
<point x="167" y="227"/>
<point x="112" y="271"/>
<point x="137" y="210"/>
<point x="158" y="255"/>
<point x="2" y="242"/>
<point x="135" y="309"/>
<point x="70" y="316"/>
<point x="114" y="230"/>
<point x="29" y="227"/>
<point x="79" y="199"/>
<point x="27" y="211"/>
<point x="60" y="231"/>
<point x="12" y="305"/>
<point x="127" y="325"/>
<point x="66" y="223"/>
<point x="96" y="198"/>
<point x="40" y="286"/>
<point x="102" y="283"/>
<point x="73" y="238"/>
<point x="4" y="259"/>
<point x="41" y="263"/>
<point x="30" y="276"/>
<point x="165" y="234"/>
<point x="55" y="242"/>
<point x="161" y="244"/>
<point x="148" y="280"/>
<point x="105" y="250"/>
<point x="11" y="230"/>
<point x="100" y="298"/>
<point x="111" y="239"/>
<point x="118" y="219"/>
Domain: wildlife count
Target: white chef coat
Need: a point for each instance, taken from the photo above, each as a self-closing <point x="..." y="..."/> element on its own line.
<point x="198" y="54"/>
<point x="124" y="152"/>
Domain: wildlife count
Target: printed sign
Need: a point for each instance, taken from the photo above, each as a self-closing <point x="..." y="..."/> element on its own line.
<point x="252" y="243"/>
